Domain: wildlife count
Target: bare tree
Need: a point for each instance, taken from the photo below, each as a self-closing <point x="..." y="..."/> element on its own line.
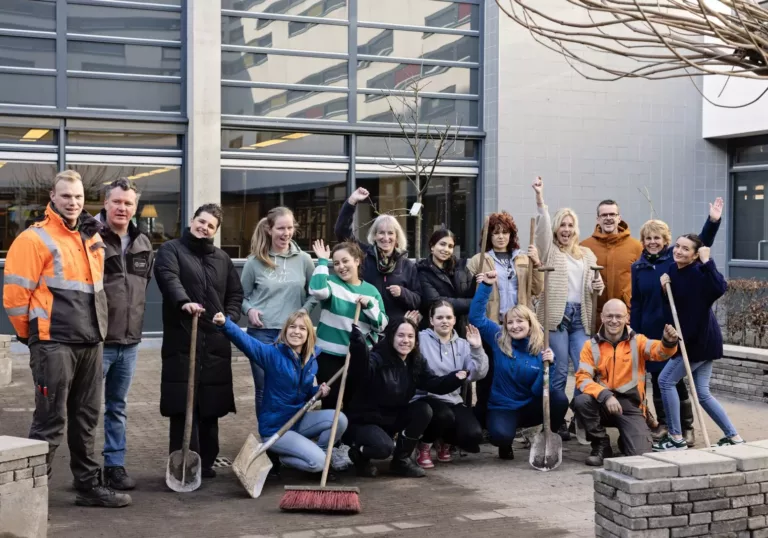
<point x="658" y="39"/>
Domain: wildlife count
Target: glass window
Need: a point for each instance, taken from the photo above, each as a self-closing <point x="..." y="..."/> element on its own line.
<point x="281" y="69"/>
<point x="336" y="9"/>
<point x="122" y="22"/>
<point x="431" y="78"/>
<point x="166" y="2"/>
<point x="24" y="193"/>
<point x="437" y="111"/>
<point x="429" y="13"/>
<point x="404" y="44"/>
<point x="122" y="58"/>
<point x="246" y="196"/>
<point x="27" y="52"/>
<point x="750" y="216"/>
<point x="27" y="135"/>
<point x="283" y="103"/>
<point x="27" y="90"/>
<point x="28" y="15"/>
<point x="755" y="154"/>
<point x="448" y="202"/>
<point x="376" y="146"/>
<point x="159" y="210"/>
<point x="124" y="140"/>
<point x="283" y="142"/>
<point x="283" y="34"/>
<point x="124" y="94"/>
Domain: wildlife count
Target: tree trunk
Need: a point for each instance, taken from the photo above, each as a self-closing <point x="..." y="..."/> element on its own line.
<point x="417" y="248"/>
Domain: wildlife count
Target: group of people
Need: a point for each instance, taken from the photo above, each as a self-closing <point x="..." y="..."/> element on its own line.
<point x="420" y="335"/>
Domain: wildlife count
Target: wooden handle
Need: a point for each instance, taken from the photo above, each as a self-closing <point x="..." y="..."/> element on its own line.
<point x="336" y="414"/>
<point x="692" y="385"/>
<point x="529" y="283"/>
<point x="483" y="256"/>
<point x="546" y="310"/>
<point x="190" y="389"/>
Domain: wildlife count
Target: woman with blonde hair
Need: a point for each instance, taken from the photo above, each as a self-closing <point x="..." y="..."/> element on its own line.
<point x="518" y="378"/>
<point x="275" y="282"/>
<point x="386" y="263"/>
<point x="570" y="288"/>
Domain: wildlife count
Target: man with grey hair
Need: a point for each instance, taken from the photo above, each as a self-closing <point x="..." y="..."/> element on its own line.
<point x="127" y="271"/>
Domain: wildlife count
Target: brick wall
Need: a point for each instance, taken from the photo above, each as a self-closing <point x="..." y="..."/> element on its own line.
<point x="742" y="374"/>
<point x="23" y="487"/>
<point x="6" y="362"/>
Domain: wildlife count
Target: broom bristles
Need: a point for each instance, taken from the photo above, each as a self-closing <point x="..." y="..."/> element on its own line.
<point x="319" y="500"/>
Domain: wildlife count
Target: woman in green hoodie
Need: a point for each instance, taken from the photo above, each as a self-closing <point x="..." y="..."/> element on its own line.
<point x="275" y="282"/>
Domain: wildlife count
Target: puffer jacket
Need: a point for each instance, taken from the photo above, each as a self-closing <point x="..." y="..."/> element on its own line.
<point x="456" y="287"/>
<point x="54" y="282"/>
<point x="126" y="277"/>
<point x="192" y="270"/>
<point x="385" y="384"/>
<point x="288" y="383"/>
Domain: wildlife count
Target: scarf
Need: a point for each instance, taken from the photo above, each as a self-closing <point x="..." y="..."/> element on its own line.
<point x="385" y="264"/>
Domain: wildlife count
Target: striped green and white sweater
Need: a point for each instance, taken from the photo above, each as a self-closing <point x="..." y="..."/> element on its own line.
<point x="337" y="300"/>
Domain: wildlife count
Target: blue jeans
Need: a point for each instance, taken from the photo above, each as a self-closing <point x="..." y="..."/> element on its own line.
<point x="673" y="372"/>
<point x="567" y="340"/>
<point x="296" y="448"/>
<point x="119" y="365"/>
<point x="266" y="336"/>
<point x="503" y="423"/>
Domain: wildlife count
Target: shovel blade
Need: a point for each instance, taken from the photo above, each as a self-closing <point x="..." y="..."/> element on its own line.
<point x="181" y="478"/>
<point x="546" y="451"/>
<point x="251" y="472"/>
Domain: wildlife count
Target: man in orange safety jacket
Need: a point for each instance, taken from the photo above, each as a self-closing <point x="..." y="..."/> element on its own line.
<point x="54" y="296"/>
<point x="611" y="377"/>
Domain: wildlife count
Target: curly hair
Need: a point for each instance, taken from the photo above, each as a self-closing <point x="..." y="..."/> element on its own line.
<point x="415" y="362"/>
<point x="504" y="222"/>
<point x="354" y="250"/>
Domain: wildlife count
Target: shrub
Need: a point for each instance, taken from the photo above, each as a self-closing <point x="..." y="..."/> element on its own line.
<point x="743" y="313"/>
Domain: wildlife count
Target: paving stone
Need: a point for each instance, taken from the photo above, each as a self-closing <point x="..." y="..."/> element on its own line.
<point x="747" y="457"/>
<point x="730" y="479"/>
<point x="756" y="476"/>
<point x="14" y="448"/>
<point x="706" y="494"/>
<point x="696" y="462"/>
<point x="684" y="532"/>
<point x="650" y="510"/>
<point x="757" y="522"/>
<point x="613" y="504"/>
<point x="641" y="467"/>
<point x="7" y="476"/>
<point x="628" y="484"/>
<point x="632" y="499"/>
<point x="709" y="506"/>
<point x="13" y="465"/>
<point x="605" y="489"/>
<point x="482" y="516"/>
<point x="21" y="474"/>
<point x="667" y="522"/>
<point x="373" y="529"/>
<point x="344" y="531"/>
<point x="682" y="509"/>
<point x="410" y="524"/>
<point x="732" y="525"/>
<point x="758" y="510"/>
<point x="746" y="489"/>
<point x="700" y="519"/>
<point x="734" y="513"/>
<point x="748" y="500"/>
<point x="689" y="483"/>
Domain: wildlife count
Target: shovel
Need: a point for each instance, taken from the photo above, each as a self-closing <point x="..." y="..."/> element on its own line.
<point x="547" y="447"/>
<point x="183" y="472"/>
<point x="596" y="270"/>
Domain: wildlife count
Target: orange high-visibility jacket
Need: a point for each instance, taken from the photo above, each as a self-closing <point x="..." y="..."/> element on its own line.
<point x="53" y="287"/>
<point x="605" y="369"/>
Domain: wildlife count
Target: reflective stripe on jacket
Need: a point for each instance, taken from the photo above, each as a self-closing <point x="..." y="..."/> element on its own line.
<point x="54" y="287"/>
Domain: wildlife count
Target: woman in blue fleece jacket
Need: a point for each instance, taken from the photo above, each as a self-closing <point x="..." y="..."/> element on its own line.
<point x="518" y="377"/>
<point x="289" y="365"/>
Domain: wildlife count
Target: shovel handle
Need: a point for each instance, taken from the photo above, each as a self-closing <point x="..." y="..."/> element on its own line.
<point x="332" y="439"/>
<point x="484" y="258"/>
<point x="190" y="392"/>
<point x="529" y="283"/>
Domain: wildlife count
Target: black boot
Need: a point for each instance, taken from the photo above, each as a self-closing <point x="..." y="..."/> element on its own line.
<point x="402" y="463"/>
<point x="117" y="478"/>
<point x="563" y="432"/>
<point x="275" y="471"/>
<point x="363" y="465"/>
<point x="601" y="449"/>
<point x="506" y="453"/>
<point x="686" y="420"/>
<point x="661" y="430"/>
<point x="102" y="496"/>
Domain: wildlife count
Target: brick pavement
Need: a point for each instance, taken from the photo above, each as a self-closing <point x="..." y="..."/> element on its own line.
<point x="479" y="494"/>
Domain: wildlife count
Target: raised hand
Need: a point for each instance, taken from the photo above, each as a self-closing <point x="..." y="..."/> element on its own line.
<point x="414" y="316"/>
<point x="538" y="185"/>
<point x="219" y="319"/>
<point x="704" y="254"/>
<point x="716" y="210"/>
<point x="254" y="317"/>
<point x="321" y="250"/>
<point x="473" y="336"/>
<point x="359" y="195"/>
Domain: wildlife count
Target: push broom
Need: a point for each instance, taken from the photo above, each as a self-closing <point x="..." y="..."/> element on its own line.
<point x="343" y="500"/>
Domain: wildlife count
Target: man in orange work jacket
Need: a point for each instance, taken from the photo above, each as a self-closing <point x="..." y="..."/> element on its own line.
<point x="54" y="296"/>
<point x="611" y="377"/>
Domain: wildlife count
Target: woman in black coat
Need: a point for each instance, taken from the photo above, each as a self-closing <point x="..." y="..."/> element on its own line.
<point x="386" y="263"/>
<point x="197" y="279"/>
<point x="443" y="277"/>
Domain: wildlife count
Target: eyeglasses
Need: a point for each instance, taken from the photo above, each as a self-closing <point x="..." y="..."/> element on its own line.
<point x="609" y="215"/>
<point x="614" y="318"/>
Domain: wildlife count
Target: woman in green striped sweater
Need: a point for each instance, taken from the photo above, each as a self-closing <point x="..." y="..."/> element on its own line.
<point x="339" y="295"/>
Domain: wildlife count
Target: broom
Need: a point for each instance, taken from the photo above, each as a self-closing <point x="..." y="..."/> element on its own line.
<point x="344" y="500"/>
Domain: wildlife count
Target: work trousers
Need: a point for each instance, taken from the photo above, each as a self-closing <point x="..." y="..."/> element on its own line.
<point x="635" y="437"/>
<point x="454" y="424"/>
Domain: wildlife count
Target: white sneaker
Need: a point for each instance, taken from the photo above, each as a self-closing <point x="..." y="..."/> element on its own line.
<point x="340" y="458"/>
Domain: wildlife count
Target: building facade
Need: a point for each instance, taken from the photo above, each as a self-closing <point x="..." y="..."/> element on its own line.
<point x="258" y="103"/>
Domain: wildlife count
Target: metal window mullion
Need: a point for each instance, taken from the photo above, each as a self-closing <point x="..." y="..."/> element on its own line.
<point x="252" y="154"/>
<point x="481" y="68"/>
<point x="416" y="61"/>
<point x="45" y="111"/>
<point x="10" y="146"/>
<point x="423" y="29"/>
<point x="28" y="157"/>
<point x="285" y="52"/>
<point x="35" y="34"/>
<point x="62" y="144"/>
<point x="127" y="4"/>
<point x="123" y="76"/>
<point x="135" y="159"/>
<point x="749" y="167"/>
<point x="281" y="86"/>
<point x="352" y="13"/>
<point x="120" y="40"/>
<point x="42" y="71"/>
<point x="61" y="55"/>
<point x="281" y="17"/>
<point x="427" y="95"/>
<point x="156" y="152"/>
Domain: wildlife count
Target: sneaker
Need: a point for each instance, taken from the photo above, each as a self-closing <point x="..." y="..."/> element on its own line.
<point x="208" y="472"/>
<point x="668" y="443"/>
<point x="727" y="441"/>
<point x="117" y="478"/>
<point x="102" y="496"/>
<point x="444" y="453"/>
<point x="424" y="458"/>
<point x="340" y="458"/>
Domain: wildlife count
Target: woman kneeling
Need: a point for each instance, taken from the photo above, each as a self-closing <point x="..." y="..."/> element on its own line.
<point x="289" y="365"/>
<point x="385" y="381"/>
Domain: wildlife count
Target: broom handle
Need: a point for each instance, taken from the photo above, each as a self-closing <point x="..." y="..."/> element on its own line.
<point x="530" y="265"/>
<point x="688" y="372"/>
<point x="190" y="392"/>
<point x="332" y="439"/>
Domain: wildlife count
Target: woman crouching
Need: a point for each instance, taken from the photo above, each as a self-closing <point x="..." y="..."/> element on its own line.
<point x="290" y="366"/>
<point x="385" y="380"/>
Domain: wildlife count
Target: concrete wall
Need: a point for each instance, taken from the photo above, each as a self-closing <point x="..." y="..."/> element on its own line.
<point x="595" y="140"/>
<point x="722" y="122"/>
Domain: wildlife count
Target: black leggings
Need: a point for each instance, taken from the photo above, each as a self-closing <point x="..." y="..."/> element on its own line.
<point x="454" y="424"/>
<point x="375" y="441"/>
<point x="327" y="365"/>
<point x="204" y="441"/>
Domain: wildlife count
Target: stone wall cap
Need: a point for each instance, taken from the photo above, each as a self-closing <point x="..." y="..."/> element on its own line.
<point x="696" y="462"/>
<point x="743" y="352"/>
<point x="747" y="457"/>
<point x="759" y="444"/>
<point x="641" y="467"/>
<point x="15" y="448"/>
<point x="5" y="337"/>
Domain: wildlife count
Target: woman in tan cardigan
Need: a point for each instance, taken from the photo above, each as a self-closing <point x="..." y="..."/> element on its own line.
<point x="501" y="253"/>
<point x="569" y="290"/>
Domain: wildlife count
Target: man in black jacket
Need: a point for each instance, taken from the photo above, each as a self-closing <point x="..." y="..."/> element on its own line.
<point x="127" y="271"/>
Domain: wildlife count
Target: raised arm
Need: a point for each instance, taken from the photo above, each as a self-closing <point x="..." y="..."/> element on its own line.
<point x="714" y="285"/>
<point x="256" y="351"/>
<point x="476" y="361"/>
<point x="542" y="237"/>
<point x="658" y="350"/>
<point x="488" y="329"/>
<point x="712" y="224"/>
<point x="343" y="228"/>
<point x="374" y="312"/>
<point x="318" y="283"/>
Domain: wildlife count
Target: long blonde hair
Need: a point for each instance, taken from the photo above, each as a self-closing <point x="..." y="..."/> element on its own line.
<point x="572" y="247"/>
<point x="309" y="346"/>
<point x="400" y="238"/>
<point x="261" y="240"/>
<point x="535" y="336"/>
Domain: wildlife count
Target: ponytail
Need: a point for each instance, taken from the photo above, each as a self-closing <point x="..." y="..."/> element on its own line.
<point x="261" y="240"/>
